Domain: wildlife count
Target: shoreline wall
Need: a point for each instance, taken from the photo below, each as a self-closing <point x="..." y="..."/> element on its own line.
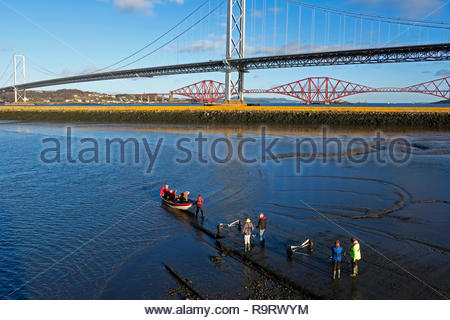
<point x="358" y="119"/>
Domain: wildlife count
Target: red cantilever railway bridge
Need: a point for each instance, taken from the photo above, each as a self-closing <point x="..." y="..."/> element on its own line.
<point x="312" y="90"/>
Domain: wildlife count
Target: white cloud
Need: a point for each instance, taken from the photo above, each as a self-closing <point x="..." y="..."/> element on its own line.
<point x="276" y="10"/>
<point x="293" y="48"/>
<point x="85" y="70"/>
<point x="257" y="13"/>
<point x="416" y="8"/>
<point x="203" y="45"/>
<point x="442" y="73"/>
<point x="135" y="5"/>
<point x="145" y="6"/>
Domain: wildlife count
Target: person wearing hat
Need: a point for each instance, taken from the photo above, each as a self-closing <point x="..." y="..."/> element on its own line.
<point x="355" y="254"/>
<point x="247" y="231"/>
<point x="262" y="228"/>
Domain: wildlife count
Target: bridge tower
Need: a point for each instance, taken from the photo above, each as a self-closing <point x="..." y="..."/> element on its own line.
<point x="235" y="48"/>
<point x="19" y="77"/>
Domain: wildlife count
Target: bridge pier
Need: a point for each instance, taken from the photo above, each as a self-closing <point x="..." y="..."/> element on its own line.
<point x="19" y="78"/>
<point x="20" y="96"/>
<point x="235" y="47"/>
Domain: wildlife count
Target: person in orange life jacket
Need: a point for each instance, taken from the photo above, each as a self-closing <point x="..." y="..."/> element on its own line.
<point x="336" y="256"/>
<point x="262" y="228"/>
<point x="164" y="189"/>
<point x="355" y="254"/>
<point x="199" y="203"/>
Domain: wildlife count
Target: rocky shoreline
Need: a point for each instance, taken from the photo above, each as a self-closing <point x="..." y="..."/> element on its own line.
<point x="366" y="119"/>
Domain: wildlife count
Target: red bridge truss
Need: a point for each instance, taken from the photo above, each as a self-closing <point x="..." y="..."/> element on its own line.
<point x="312" y="90"/>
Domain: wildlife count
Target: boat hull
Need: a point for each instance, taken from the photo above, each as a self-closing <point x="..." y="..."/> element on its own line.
<point x="178" y="205"/>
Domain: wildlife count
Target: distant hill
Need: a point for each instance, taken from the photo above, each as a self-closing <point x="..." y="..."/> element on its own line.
<point x="441" y="102"/>
<point x="277" y="101"/>
<point x="69" y="96"/>
<point x="72" y="96"/>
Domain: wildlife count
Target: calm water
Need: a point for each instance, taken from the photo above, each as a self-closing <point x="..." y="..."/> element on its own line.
<point x="98" y="230"/>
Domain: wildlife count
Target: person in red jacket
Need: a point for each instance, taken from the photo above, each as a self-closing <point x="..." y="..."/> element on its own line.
<point x="172" y="195"/>
<point x="163" y="190"/>
<point x="199" y="203"/>
<point x="262" y="223"/>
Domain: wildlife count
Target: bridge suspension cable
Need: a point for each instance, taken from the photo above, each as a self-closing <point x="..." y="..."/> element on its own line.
<point x="6" y="69"/>
<point x="400" y="21"/>
<point x="158" y="38"/>
<point x="8" y="80"/>
<point x="177" y="36"/>
<point x="41" y="69"/>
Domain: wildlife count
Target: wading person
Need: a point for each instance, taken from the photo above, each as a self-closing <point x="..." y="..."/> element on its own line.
<point x="355" y="254"/>
<point x="199" y="203"/>
<point x="336" y="257"/>
<point x="262" y="228"/>
<point x="248" y="228"/>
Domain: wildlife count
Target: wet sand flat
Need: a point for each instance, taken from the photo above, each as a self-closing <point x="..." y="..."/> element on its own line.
<point x="106" y="227"/>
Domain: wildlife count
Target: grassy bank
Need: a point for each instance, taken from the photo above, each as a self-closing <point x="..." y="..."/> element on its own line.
<point x="293" y="116"/>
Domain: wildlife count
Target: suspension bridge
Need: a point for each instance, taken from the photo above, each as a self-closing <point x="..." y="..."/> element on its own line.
<point x="331" y="38"/>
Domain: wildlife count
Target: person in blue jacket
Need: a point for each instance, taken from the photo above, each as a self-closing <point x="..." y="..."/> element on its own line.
<point x="336" y="256"/>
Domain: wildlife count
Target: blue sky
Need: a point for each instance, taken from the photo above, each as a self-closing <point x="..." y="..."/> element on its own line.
<point x="62" y="38"/>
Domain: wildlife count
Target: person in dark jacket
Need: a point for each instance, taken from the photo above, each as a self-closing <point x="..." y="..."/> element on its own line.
<point x="184" y="197"/>
<point x="262" y="228"/>
<point x="167" y="194"/>
<point x="172" y="195"/>
<point x="199" y="203"/>
<point x="163" y="190"/>
<point x="336" y="257"/>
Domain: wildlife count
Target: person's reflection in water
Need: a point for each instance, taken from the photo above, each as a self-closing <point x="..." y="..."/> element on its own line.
<point x="355" y="293"/>
<point x="336" y="289"/>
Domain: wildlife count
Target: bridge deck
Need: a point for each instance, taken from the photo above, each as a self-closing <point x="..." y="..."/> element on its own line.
<point x="418" y="53"/>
